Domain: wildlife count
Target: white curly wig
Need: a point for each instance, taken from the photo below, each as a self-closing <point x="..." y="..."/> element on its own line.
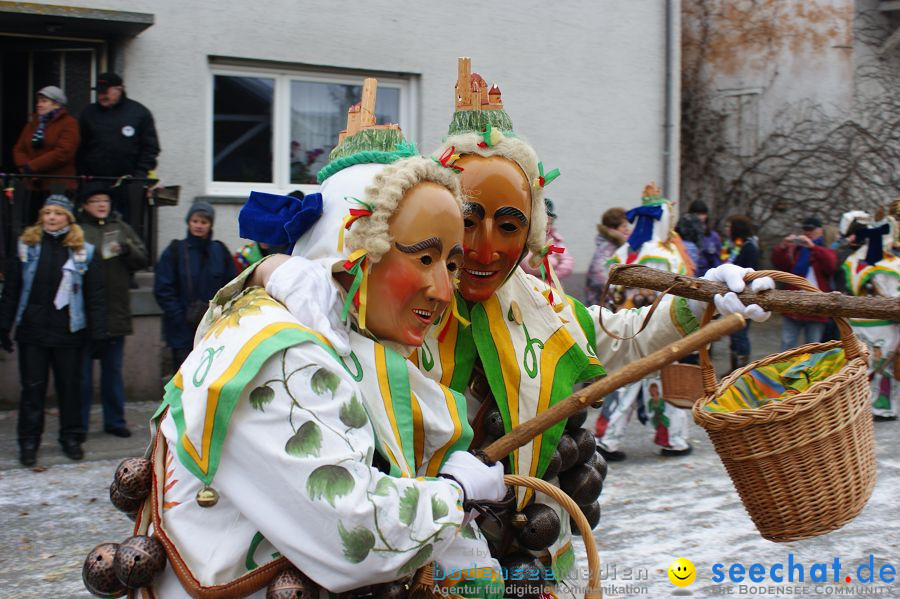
<point x="517" y="150"/>
<point x="384" y="195"/>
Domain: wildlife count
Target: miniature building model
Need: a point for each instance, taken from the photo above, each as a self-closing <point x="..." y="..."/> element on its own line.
<point x="472" y="91"/>
<point x="362" y="115"/>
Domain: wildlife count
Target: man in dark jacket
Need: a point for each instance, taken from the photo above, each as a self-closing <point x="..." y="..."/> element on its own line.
<point x="122" y="253"/>
<point x="118" y="137"/>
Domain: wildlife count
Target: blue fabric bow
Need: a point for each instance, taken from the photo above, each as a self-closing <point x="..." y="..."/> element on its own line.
<point x="874" y="237"/>
<point x="276" y="219"/>
<point x="643" y="228"/>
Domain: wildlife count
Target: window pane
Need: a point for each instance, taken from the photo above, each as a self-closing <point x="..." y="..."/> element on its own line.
<point x="319" y="113"/>
<point x="242" y="129"/>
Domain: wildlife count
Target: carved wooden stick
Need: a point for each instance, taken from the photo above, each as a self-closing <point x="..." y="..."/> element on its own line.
<point x="831" y="304"/>
<point x="635" y="371"/>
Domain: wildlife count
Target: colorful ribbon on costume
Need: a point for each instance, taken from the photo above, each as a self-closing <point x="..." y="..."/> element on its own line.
<point x="355" y="214"/>
<point x="357" y="265"/>
<point x="544" y="179"/>
<point x="448" y="158"/>
<point x="454" y="309"/>
<point x="489" y="137"/>
<point x="547" y="273"/>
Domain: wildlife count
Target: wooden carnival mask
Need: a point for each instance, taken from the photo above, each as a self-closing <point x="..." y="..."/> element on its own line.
<point x="412" y="284"/>
<point x="497" y="220"/>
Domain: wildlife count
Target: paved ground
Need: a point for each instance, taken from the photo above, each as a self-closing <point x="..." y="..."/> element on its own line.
<point x="654" y="510"/>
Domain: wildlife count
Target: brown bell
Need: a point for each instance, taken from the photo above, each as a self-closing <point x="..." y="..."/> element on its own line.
<point x="552" y="466"/>
<point x="207" y="497"/>
<point x="138" y="560"/>
<point x="124" y="503"/>
<point x="582" y="483"/>
<point x="523" y="575"/>
<point x="493" y="423"/>
<point x="134" y="477"/>
<point x="587" y="445"/>
<point x="599" y="464"/>
<point x="98" y="575"/>
<point x="542" y="527"/>
<point x="568" y="452"/>
<point x="576" y="420"/>
<point x="591" y="512"/>
<point x="289" y="584"/>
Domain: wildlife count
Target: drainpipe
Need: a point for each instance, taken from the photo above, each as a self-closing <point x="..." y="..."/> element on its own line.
<point x="671" y="137"/>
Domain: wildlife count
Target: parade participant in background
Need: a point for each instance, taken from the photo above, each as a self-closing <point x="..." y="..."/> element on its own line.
<point x="806" y="256"/>
<point x="366" y="474"/>
<point x="53" y="294"/>
<point x="561" y="261"/>
<point x="612" y="231"/>
<point x="47" y="146"/>
<point x="527" y="343"/>
<point x="122" y="253"/>
<point x="653" y="242"/>
<point x="255" y="251"/>
<point x="711" y="247"/>
<point x="873" y="270"/>
<point x="746" y="244"/>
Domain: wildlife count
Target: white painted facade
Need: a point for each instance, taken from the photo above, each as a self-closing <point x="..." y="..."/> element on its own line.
<point x="584" y="82"/>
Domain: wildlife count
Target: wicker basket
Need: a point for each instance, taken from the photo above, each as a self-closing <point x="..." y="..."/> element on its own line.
<point x="682" y="384"/>
<point x="803" y="466"/>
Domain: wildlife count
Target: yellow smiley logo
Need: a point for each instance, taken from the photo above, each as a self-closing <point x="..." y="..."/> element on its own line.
<point x="682" y="572"/>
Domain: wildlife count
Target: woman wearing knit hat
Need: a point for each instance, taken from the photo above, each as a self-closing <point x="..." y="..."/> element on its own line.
<point x="47" y="146"/>
<point x="188" y="274"/>
<point x="54" y="297"/>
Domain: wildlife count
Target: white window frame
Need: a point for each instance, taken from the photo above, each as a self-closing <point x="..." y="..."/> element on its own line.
<point x="281" y="126"/>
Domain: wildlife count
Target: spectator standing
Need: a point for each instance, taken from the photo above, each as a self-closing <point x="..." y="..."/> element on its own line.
<point x="746" y="254"/>
<point x="188" y="274"/>
<point x="612" y="232"/>
<point x="711" y="247"/>
<point x="807" y="256"/>
<point x="47" y="146"/>
<point x="691" y="230"/>
<point x="122" y="253"/>
<point x="118" y="138"/>
<point x="561" y="260"/>
<point x="54" y="296"/>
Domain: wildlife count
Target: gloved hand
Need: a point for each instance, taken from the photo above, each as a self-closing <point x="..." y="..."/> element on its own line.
<point x="733" y="277"/>
<point x="5" y="342"/>
<point x="479" y="481"/>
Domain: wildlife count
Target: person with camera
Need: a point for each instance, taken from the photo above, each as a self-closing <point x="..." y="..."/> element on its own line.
<point x="805" y="255"/>
<point x="188" y="274"/>
<point x="121" y="254"/>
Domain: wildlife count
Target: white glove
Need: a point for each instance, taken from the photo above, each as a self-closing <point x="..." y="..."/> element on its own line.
<point x="479" y="481"/>
<point x="733" y="277"/>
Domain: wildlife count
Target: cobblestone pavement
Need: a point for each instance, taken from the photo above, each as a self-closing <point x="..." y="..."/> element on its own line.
<point x="655" y="510"/>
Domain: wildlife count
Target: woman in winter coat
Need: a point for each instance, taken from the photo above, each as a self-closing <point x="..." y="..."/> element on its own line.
<point x="47" y="146"/>
<point x="612" y="232"/>
<point x="54" y="297"/>
<point x="122" y="253"/>
<point x="188" y="275"/>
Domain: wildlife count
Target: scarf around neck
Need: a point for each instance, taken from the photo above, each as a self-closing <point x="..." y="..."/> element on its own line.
<point x="37" y="138"/>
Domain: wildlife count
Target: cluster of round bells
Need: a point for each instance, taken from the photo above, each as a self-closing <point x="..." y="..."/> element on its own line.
<point x="581" y="471"/>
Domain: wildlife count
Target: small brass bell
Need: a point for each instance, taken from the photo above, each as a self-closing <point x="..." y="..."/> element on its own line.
<point x="576" y="420"/>
<point x="525" y="576"/>
<point x="599" y="464"/>
<point x="98" y="575"/>
<point x="288" y="585"/>
<point x="207" y="497"/>
<point x="591" y="512"/>
<point x="134" y="477"/>
<point x="493" y="423"/>
<point x="138" y="560"/>
<point x="582" y="483"/>
<point x="552" y="466"/>
<point x="542" y="528"/>
<point x="519" y="520"/>
<point x="122" y="501"/>
<point x="587" y="445"/>
<point x="568" y="452"/>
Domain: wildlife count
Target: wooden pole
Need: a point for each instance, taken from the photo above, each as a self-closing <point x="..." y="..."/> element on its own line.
<point x="635" y="371"/>
<point x="832" y="304"/>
